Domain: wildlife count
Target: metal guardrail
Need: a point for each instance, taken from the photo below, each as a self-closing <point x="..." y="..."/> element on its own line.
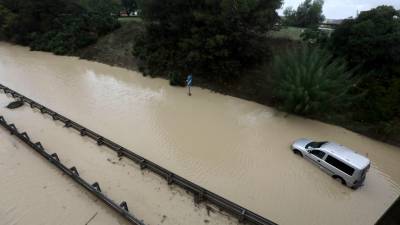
<point x="200" y="193"/>
<point x="72" y="172"/>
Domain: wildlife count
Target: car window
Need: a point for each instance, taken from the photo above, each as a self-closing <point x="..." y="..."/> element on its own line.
<point x="315" y="144"/>
<point x="318" y="153"/>
<point x="340" y="165"/>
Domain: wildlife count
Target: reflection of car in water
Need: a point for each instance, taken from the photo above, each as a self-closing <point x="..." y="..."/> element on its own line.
<point x="342" y="163"/>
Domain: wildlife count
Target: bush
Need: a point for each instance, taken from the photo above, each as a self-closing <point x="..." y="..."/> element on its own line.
<point x="382" y="101"/>
<point x="315" y="36"/>
<point x="57" y="26"/>
<point x="309" y="81"/>
<point x="176" y="79"/>
<point x="7" y="18"/>
<point x="388" y="129"/>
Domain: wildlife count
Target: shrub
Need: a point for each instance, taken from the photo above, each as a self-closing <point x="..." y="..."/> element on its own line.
<point x="388" y="129"/>
<point x="315" y="36"/>
<point x="57" y="26"/>
<point x="309" y="81"/>
<point x="176" y="79"/>
<point x="6" y="19"/>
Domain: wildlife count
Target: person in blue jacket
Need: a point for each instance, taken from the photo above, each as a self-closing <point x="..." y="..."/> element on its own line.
<point x="189" y="81"/>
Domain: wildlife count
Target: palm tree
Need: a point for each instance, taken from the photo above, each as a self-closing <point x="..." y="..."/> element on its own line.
<point x="310" y="81"/>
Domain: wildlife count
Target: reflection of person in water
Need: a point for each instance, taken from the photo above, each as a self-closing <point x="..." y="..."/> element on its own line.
<point x="189" y="81"/>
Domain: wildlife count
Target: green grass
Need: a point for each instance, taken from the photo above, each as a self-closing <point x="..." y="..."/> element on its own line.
<point x="292" y="33"/>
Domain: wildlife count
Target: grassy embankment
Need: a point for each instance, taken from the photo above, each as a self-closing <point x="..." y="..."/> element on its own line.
<point x="254" y="85"/>
<point x="291" y="33"/>
<point x="116" y="48"/>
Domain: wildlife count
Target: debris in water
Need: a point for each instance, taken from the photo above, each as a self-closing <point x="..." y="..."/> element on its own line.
<point x="163" y="218"/>
<point x="16" y="104"/>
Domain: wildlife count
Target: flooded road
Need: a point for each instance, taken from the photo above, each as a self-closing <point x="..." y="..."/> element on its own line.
<point x="235" y="148"/>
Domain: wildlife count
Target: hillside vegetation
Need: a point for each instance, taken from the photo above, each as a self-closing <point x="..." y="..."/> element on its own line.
<point x="56" y="26"/>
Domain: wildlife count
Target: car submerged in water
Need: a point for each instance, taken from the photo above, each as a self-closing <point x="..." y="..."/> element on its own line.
<point x="340" y="162"/>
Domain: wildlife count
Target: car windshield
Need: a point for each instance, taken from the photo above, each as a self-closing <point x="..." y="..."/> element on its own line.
<point x="315" y="144"/>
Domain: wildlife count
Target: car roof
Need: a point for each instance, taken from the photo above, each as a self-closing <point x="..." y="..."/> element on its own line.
<point x="346" y="155"/>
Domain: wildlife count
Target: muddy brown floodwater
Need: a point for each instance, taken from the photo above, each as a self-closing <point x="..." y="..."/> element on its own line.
<point x="236" y="148"/>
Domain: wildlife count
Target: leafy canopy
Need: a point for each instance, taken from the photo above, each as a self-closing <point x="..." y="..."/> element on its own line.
<point x="372" y="39"/>
<point x="214" y="39"/>
<point x="6" y="19"/>
<point x="372" y="42"/>
<point x="308" y="14"/>
<point x="56" y="25"/>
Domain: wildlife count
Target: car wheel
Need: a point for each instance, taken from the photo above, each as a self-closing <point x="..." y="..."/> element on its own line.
<point x="297" y="152"/>
<point x="339" y="179"/>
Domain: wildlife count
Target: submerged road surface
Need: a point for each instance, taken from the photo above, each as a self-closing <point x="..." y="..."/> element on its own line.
<point x="233" y="147"/>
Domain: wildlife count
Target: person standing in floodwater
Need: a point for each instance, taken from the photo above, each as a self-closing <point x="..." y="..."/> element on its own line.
<point x="189" y="81"/>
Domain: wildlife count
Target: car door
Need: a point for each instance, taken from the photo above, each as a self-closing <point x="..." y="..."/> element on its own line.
<point x="316" y="156"/>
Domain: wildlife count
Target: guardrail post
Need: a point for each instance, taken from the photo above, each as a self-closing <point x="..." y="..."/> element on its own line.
<point x="96" y="186"/>
<point x="100" y="141"/>
<point x="170" y="178"/>
<point x="75" y="171"/>
<point x="54" y="116"/>
<point x="83" y="132"/>
<point x="143" y="164"/>
<point x="39" y="145"/>
<point x="55" y="156"/>
<point x="124" y="206"/>
<point x="242" y="216"/>
<point x="42" y="109"/>
<point x="67" y="123"/>
<point x="13" y="129"/>
<point x="25" y="135"/>
<point x="120" y="152"/>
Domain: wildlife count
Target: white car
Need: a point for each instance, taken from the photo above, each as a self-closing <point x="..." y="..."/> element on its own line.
<point x="340" y="162"/>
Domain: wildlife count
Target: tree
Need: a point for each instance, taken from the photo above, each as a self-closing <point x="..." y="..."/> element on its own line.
<point x="289" y="15"/>
<point x="213" y="39"/>
<point x="308" y="14"/>
<point x="56" y="25"/>
<point x="372" y="42"/>
<point x="129" y="5"/>
<point x="372" y="39"/>
<point x="7" y="18"/>
<point x="310" y="81"/>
